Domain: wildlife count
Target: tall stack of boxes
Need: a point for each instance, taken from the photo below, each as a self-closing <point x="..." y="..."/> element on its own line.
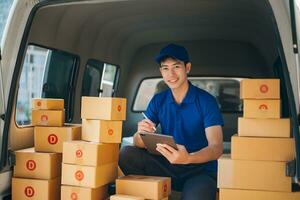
<point x="90" y="164"/>
<point x="260" y="151"/>
<point x="36" y="175"/>
<point x="37" y="170"/>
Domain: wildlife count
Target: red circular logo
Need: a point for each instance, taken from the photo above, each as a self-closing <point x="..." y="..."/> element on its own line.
<point x="29" y="191"/>
<point x="110" y="131"/>
<point x="74" y="196"/>
<point x="264" y="88"/>
<point x="52" y="139"/>
<point x="79" y="175"/>
<point x="165" y="188"/>
<point x="78" y="153"/>
<point x="39" y="103"/>
<point x="44" y="118"/>
<point x="119" y="108"/>
<point x="30" y="165"/>
<point x="263" y="107"/>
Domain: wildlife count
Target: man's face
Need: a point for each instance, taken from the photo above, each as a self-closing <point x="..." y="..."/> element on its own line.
<point x="174" y="72"/>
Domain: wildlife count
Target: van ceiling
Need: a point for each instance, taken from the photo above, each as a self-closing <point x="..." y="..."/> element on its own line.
<point x="114" y="31"/>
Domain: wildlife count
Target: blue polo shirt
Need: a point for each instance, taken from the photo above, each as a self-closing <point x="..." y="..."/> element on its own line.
<point x="187" y="121"/>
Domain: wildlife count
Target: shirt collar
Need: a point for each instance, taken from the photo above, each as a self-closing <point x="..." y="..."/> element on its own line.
<point x="189" y="97"/>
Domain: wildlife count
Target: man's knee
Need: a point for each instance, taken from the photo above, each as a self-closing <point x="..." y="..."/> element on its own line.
<point x="127" y="153"/>
<point x="129" y="156"/>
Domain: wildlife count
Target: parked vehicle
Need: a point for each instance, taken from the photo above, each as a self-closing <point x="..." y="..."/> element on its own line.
<point x="69" y="49"/>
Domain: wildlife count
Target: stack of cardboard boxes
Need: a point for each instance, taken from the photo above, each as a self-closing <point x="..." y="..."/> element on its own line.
<point x="135" y="187"/>
<point x="257" y="167"/>
<point x="37" y="170"/>
<point x="89" y="165"/>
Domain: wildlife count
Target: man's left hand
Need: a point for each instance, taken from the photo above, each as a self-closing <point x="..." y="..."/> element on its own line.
<point x="180" y="156"/>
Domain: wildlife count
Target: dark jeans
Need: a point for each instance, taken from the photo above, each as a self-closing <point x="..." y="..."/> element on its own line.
<point x="192" y="180"/>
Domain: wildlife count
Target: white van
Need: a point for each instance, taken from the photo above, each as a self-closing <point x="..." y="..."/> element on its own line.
<point x="69" y="48"/>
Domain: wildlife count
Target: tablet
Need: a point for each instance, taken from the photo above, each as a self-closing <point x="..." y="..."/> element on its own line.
<point x="151" y="139"/>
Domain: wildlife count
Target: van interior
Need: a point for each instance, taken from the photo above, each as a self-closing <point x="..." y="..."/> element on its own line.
<point x="227" y="41"/>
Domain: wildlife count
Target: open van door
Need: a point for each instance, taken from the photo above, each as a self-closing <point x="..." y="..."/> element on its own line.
<point x="293" y="71"/>
<point x="294" y="6"/>
<point x="6" y="174"/>
<point x="18" y="13"/>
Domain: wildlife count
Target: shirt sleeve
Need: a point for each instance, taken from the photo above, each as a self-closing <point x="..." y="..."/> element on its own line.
<point x="152" y="111"/>
<point x="212" y="114"/>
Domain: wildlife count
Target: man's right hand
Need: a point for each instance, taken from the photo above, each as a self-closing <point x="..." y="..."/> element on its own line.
<point x="146" y="126"/>
<point x="143" y="126"/>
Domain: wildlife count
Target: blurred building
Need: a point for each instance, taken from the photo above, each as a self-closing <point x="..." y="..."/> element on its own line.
<point x="5" y="6"/>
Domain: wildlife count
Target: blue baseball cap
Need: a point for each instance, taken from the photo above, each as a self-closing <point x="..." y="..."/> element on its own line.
<point x="174" y="51"/>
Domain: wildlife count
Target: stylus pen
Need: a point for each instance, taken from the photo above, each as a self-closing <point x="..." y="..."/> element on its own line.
<point x="148" y="119"/>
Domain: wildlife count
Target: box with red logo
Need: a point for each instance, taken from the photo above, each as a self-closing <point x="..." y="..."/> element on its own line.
<point x="262" y="108"/>
<point x="102" y="131"/>
<point x="264" y="127"/>
<point x="31" y="164"/>
<point x="149" y="187"/>
<point x="104" y="108"/>
<point x="47" y="104"/>
<point x="125" y="197"/>
<point x="48" y="117"/>
<point x="88" y="176"/>
<point x="73" y="192"/>
<point x="260" y="89"/>
<point x="90" y="153"/>
<point x="51" y="139"/>
<point x="35" y="189"/>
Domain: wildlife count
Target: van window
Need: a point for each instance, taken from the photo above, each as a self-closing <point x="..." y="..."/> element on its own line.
<point x="99" y="79"/>
<point x="225" y="90"/>
<point x="5" y="6"/>
<point x="45" y="73"/>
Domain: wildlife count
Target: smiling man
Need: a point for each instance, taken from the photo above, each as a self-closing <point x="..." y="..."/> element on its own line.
<point x="192" y="116"/>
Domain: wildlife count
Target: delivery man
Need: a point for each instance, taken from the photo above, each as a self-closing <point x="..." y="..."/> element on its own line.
<point x="192" y="116"/>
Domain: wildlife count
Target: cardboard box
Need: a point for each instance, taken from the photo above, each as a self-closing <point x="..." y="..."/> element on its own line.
<point x="262" y="108"/>
<point x="35" y="189"/>
<point x="104" y="108"/>
<point x="30" y="164"/>
<point x="150" y="187"/>
<point x="48" y="117"/>
<point x="80" y="193"/>
<point x="125" y="197"/>
<point x="102" y="131"/>
<point x="229" y="194"/>
<point x="51" y="139"/>
<point x="90" y="153"/>
<point x="48" y="104"/>
<point x="253" y="175"/>
<point x="260" y="89"/>
<point x="87" y="176"/>
<point x="264" y="127"/>
<point x="267" y="149"/>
